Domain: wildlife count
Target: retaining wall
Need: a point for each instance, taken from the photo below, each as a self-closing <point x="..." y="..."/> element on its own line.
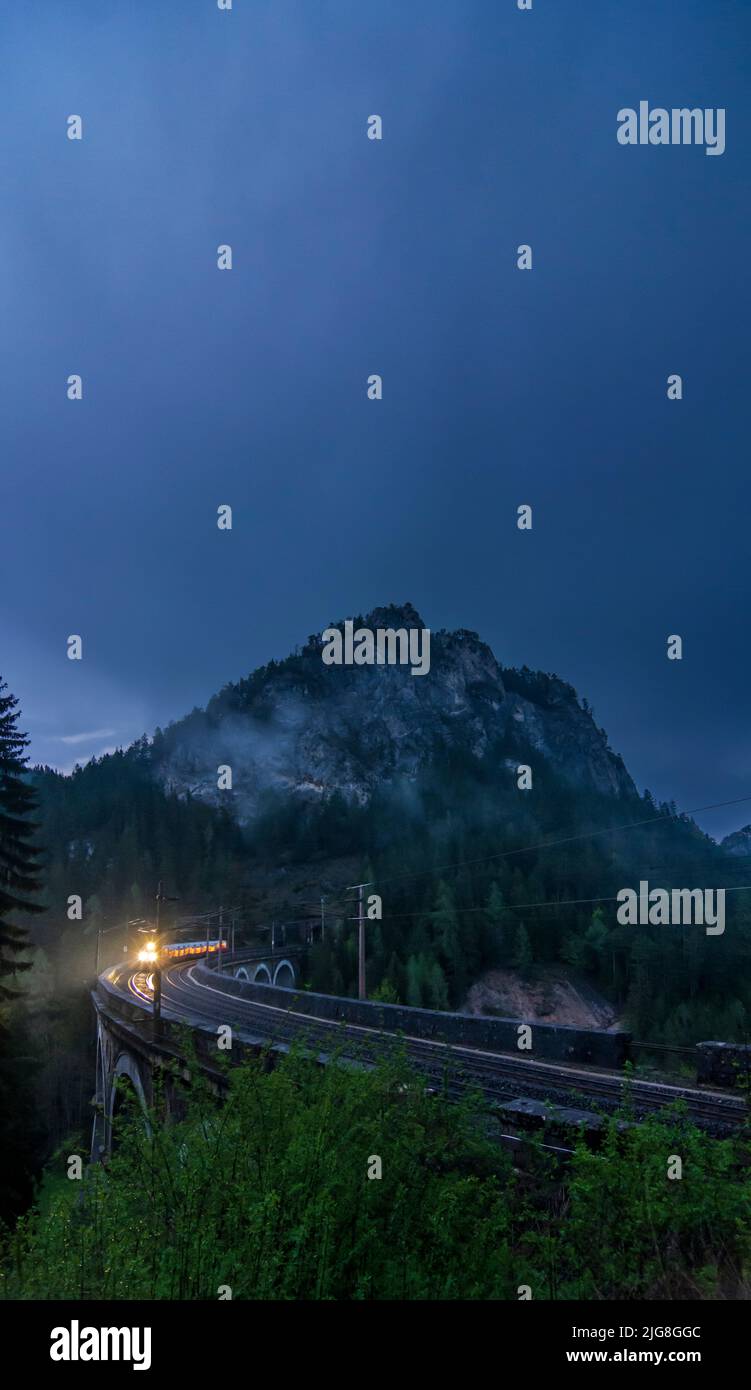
<point x="470" y="1030"/>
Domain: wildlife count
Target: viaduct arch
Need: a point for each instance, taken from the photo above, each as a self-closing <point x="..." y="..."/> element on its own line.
<point x="271" y="972"/>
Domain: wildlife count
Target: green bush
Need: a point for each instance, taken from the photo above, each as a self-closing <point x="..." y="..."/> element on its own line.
<point x="269" y="1193"/>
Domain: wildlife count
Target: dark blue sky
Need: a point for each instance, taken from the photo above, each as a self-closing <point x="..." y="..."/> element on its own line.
<point x="399" y="257"/>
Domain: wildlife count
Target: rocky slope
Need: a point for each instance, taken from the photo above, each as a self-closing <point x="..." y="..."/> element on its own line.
<point x="739" y="843"/>
<point x="551" y="997"/>
<point x="301" y="727"/>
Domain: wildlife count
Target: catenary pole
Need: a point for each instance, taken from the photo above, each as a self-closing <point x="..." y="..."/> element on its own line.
<point x="360" y="943"/>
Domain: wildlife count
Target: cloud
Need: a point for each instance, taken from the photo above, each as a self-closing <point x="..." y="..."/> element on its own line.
<point x="86" y="738"/>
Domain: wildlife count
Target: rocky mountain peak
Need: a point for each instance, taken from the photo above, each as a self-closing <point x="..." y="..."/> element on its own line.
<point x="309" y="729"/>
<point x="394" y="615"/>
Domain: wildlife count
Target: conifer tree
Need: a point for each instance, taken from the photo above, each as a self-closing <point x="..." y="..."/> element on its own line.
<point x="19" y="868"/>
<point x="415" y="982"/>
<point x="446" y="932"/>
<point x="523" y="955"/>
<point x="495" y="916"/>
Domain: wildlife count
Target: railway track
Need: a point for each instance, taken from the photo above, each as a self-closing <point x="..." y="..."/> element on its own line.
<point x="500" y="1077"/>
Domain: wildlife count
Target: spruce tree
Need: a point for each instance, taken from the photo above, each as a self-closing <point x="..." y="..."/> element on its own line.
<point x="523" y="954"/>
<point x="446" y="930"/>
<point x="19" y="868"/>
<point x="495" y="919"/>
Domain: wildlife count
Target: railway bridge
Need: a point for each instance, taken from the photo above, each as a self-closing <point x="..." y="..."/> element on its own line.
<point x="132" y="1046"/>
<point x="252" y="997"/>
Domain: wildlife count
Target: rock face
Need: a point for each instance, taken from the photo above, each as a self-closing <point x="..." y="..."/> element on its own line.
<point x="550" y="998"/>
<point x="302" y="727"/>
<point x="739" y="843"/>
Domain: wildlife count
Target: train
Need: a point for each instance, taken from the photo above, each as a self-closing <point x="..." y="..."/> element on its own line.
<point x="177" y="950"/>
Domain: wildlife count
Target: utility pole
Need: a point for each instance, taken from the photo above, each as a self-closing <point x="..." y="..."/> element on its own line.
<point x="157" y="993"/>
<point x="157" y="972"/>
<point x="160" y="898"/>
<point x="323" y="919"/>
<point x="221" y="931"/>
<point x="360" y="919"/>
<point x="360" y="944"/>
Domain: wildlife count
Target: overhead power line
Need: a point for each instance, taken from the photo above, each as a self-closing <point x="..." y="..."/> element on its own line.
<point x="527" y="907"/>
<point x="554" y="844"/>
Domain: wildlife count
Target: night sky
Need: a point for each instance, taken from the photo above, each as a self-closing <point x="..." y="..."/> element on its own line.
<point x="353" y="257"/>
